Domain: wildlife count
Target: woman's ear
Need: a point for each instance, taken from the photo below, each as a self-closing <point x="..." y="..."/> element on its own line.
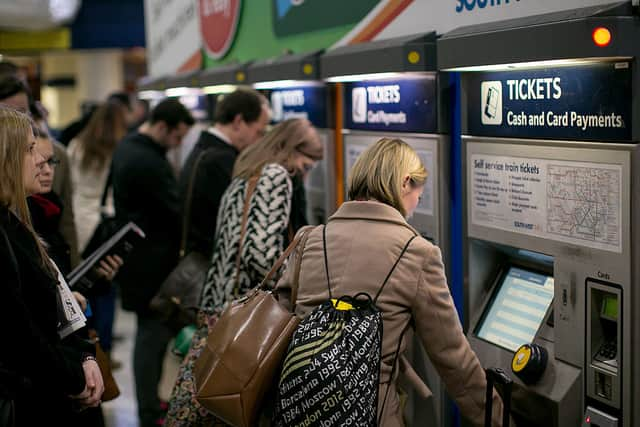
<point x="406" y="184"/>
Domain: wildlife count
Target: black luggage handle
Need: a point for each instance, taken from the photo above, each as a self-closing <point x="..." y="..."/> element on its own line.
<point x="497" y="376"/>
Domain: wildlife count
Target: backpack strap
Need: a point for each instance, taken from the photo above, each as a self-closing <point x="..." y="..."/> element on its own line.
<point x="326" y="260"/>
<point x="406" y="246"/>
<point x="386" y="279"/>
<point x="393" y="370"/>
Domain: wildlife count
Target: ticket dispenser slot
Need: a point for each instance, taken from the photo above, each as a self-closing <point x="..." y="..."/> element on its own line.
<point x="604" y="332"/>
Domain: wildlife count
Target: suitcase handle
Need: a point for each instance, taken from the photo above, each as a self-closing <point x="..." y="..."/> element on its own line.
<point x="497" y="376"/>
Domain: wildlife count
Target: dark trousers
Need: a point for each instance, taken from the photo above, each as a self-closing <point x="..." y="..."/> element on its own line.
<point x="152" y="338"/>
<point x="104" y="311"/>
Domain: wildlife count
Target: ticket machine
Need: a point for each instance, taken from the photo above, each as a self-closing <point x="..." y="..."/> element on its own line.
<point x="551" y="172"/>
<point x="152" y="89"/>
<point x="187" y="89"/>
<point x="391" y="89"/>
<point x="292" y="84"/>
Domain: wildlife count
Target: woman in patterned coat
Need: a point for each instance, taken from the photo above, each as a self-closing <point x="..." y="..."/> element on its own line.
<point x="289" y="151"/>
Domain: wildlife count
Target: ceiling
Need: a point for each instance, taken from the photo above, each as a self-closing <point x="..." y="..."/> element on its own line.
<point x="36" y="14"/>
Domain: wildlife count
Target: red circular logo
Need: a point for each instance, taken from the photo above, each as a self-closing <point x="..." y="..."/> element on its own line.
<point x="218" y="23"/>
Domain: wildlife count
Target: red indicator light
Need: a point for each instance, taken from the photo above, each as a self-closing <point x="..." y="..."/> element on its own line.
<point x="588" y="420"/>
<point x="601" y="36"/>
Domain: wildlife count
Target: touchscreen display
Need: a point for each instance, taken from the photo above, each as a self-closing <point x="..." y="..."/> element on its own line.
<point x="514" y="315"/>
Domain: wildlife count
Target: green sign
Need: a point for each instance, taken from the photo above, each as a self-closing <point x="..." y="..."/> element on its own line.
<point x="302" y="16"/>
<point x="267" y="29"/>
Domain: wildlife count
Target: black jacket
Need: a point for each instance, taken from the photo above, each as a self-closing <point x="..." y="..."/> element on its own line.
<point x="37" y="370"/>
<point x="212" y="179"/>
<point x="145" y="191"/>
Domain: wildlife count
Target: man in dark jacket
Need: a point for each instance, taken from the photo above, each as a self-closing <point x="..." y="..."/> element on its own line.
<point x="241" y="118"/>
<point x="146" y="192"/>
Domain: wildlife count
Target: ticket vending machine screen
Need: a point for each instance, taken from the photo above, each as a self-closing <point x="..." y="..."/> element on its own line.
<point x="518" y="307"/>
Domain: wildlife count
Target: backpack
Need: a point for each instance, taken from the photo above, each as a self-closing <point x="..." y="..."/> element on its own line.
<point x="331" y="372"/>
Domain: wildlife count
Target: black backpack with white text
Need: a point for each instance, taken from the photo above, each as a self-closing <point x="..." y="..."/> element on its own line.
<point x="331" y="372"/>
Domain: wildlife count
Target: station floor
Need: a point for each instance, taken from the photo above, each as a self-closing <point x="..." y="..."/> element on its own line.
<point x="122" y="411"/>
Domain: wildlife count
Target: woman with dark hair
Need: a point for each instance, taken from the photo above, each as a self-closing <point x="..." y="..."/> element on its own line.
<point x="240" y="260"/>
<point x="41" y="378"/>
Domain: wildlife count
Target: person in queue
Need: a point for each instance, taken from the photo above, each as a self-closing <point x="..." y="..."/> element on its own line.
<point x="36" y="366"/>
<point x="240" y="120"/>
<point x="15" y="94"/>
<point x="46" y="209"/>
<point x="145" y="191"/>
<point x="290" y="149"/>
<point x="385" y="186"/>
<point x="90" y="154"/>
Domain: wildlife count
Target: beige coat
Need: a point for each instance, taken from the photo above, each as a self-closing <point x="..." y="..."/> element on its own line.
<point x="363" y="241"/>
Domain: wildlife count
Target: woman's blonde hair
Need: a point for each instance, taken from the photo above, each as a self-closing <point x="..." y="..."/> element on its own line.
<point x="279" y="146"/>
<point x="380" y="170"/>
<point x="15" y="130"/>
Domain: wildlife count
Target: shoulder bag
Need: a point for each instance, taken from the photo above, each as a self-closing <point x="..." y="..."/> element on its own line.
<point x="106" y="228"/>
<point x="245" y="348"/>
<point x="178" y="298"/>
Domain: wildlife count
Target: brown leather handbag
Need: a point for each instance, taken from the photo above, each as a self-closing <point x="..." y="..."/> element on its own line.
<point x="178" y="298"/>
<point x="245" y="348"/>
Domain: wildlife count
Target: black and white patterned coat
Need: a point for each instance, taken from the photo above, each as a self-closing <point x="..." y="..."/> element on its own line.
<point x="268" y="218"/>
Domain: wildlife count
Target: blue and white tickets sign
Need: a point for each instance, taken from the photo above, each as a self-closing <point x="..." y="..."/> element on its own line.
<point x="306" y="102"/>
<point x="587" y="102"/>
<point x="407" y="105"/>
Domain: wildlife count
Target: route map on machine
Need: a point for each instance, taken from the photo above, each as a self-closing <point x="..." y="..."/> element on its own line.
<point x="583" y="203"/>
<point x="572" y="202"/>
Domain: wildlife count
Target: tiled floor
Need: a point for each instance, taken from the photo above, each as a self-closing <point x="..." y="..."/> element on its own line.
<point x="122" y="412"/>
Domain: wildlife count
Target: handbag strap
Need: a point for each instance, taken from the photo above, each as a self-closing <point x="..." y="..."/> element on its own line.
<point x="299" y="241"/>
<point x="251" y="186"/>
<point x="105" y="192"/>
<point x="188" y="203"/>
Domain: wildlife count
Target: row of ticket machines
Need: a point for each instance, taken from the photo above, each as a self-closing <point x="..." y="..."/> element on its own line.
<point x="529" y="130"/>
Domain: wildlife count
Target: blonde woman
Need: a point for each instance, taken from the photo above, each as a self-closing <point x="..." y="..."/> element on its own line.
<point x="385" y="186"/>
<point x="37" y="370"/>
<point x="289" y="150"/>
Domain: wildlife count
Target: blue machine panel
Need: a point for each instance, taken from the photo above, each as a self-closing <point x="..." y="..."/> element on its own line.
<point x="586" y="102"/>
<point x="308" y="102"/>
<point x="406" y="105"/>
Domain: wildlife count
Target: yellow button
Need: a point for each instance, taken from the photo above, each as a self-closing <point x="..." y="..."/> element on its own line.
<point x="341" y="305"/>
<point x="307" y="69"/>
<point x="413" y="57"/>
<point x="521" y="358"/>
